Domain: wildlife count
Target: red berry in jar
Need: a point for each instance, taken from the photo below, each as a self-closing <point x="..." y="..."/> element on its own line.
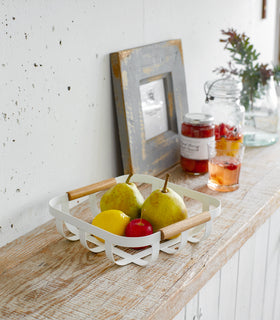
<point x="228" y="132"/>
<point x="223" y="130"/>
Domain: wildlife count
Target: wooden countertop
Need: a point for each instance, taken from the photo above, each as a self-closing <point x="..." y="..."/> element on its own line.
<point x="44" y="276"/>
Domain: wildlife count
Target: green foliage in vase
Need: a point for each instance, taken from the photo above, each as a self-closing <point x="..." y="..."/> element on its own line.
<point x="254" y="75"/>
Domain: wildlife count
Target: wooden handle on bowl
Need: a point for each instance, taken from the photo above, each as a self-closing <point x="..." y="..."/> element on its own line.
<point x="178" y="227"/>
<point x="92" y="188"/>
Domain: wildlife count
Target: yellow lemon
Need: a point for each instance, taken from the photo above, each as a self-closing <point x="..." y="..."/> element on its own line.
<point x="114" y="221"/>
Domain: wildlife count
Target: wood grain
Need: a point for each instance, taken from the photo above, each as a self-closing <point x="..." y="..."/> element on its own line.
<point x="186" y="224"/>
<point x="44" y="276"/>
<point x="92" y="188"/>
<point x="263" y="9"/>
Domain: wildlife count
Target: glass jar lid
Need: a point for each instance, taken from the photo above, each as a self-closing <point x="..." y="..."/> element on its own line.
<point x="198" y="118"/>
<point x="227" y="87"/>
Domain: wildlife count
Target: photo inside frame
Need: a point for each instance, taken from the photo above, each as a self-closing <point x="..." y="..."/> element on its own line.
<point x="155" y="106"/>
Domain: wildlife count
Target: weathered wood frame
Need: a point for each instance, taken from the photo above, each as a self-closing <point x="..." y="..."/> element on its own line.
<point x="131" y="68"/>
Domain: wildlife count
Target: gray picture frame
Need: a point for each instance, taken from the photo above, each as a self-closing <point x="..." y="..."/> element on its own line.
<point x="131" y="69"/>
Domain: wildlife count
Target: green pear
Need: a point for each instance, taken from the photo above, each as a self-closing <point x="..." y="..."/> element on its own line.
<point x="123" y="196"/>
<point x="163" y="207"/>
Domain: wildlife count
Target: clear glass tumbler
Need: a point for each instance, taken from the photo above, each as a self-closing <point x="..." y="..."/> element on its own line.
<point x="225" y="159"/>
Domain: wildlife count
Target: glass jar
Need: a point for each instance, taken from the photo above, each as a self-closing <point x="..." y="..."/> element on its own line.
<point x="196" y="132"/>
<point x="222" y="102"/>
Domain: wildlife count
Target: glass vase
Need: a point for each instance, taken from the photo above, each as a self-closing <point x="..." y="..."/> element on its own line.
<point x="261" y="118"/>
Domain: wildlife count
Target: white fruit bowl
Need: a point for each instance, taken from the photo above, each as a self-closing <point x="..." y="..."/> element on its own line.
<point x="116" y="246"/>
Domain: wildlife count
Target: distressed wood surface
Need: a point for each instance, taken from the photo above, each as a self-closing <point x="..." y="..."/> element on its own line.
<point x="44" y="276"/>
<point x="132" y="68"/>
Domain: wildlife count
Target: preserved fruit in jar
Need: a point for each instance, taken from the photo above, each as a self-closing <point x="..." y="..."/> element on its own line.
<point x="196" y="132"/>
<point x="222" y="102"/>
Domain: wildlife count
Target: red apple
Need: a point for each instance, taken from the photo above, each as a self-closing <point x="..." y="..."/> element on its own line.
<point x="138" y="228"/>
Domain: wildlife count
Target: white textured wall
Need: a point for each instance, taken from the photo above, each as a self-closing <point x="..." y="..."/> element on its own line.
<point x="57" y="121"/>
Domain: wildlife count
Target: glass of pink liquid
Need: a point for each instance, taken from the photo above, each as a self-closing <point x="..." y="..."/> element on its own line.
<point x="224" y="164"/>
